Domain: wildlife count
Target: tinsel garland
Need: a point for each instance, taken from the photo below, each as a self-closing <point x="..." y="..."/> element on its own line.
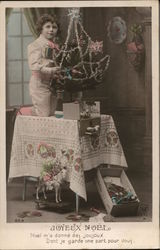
<point x="88" y="66"/>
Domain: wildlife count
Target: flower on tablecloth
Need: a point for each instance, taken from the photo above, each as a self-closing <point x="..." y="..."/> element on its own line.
<point x="78" y="164"/>
<point x="51" y="151"/>
<point x="68" y="157"/>
<point x="29" y="150"/>
<point x="79" y="160"/>
<point x="70" y="161"/>
<point x="46" y="150"/>
<point x="71" y="151"/>
<point x="77" y="167"/>
<point x="69" y="154"/>
<point x="42" y="150"/>
<point x="111" y="138"/>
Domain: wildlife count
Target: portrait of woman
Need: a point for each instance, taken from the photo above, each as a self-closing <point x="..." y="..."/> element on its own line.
<point x="43" y="68"/>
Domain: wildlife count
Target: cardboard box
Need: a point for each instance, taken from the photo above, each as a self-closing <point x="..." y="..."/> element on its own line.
<point x="128" y="209"/>
<point x="74" y="110"/>
<point x="71" y="111"/>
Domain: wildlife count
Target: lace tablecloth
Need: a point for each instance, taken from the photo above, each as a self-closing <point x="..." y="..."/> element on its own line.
<point x="37" y="140"/>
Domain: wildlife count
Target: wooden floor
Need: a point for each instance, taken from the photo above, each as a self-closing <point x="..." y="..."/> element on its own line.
<point x="141" y="182"/>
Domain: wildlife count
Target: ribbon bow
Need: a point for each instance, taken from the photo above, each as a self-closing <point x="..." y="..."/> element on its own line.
<point x="68" y="74"/>
<point x="53" y="45"/>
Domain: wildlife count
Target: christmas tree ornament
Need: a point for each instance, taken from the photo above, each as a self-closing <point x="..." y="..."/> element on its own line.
<point x="117" y="30"/>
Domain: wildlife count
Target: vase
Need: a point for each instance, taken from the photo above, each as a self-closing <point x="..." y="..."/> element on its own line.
<point x="59" y="100"/>
<point x="77" y="96"/>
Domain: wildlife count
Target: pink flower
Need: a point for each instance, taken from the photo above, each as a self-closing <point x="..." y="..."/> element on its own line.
<point x="70" y="151"/>
<point x="41" y="144"/>
<point x="30" y="149"/>
<point x="67" y="155"/>
<point x="54" y="154"/>
<point x="77" y="168"/>
<point x="78" y="160"/>
<point x="96" y="47"/>
<point x="47" y="177"/>
<point x="132" y="47"/>
<point x="140" y="47"/>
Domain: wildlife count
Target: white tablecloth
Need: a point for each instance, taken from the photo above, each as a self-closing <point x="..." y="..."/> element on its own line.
<point x="41" y="139"/>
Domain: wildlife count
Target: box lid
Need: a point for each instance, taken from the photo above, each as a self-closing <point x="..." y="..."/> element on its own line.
<point x="123" y="166"/>
<point x="113" y="167"/>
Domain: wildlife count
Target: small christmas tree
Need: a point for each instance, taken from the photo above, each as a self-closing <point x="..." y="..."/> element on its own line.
<point x="81" y="60"/>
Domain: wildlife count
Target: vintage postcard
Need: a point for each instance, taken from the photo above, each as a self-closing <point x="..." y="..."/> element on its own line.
<point x="79" y="124"/>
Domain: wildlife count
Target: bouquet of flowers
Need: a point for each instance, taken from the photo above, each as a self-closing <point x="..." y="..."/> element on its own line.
<point x="136" y="49"/>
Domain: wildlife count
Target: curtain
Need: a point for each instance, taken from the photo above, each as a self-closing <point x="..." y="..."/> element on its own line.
<point x="8" y="12"/>
<point x="32" y="15"/>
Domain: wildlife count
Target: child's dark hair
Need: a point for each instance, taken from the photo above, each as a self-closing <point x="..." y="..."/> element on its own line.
<point x="45" y="18"/>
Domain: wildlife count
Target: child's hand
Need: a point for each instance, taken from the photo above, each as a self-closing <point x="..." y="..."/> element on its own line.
<point x="47" y="62"/>
<point x="56" y="73"/>
<point x="56" y="70"/>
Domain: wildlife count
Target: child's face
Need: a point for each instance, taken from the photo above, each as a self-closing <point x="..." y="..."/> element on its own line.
<point x="49" y="30"/>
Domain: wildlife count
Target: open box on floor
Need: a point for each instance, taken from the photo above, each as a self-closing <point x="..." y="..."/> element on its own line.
<point x="116" y="175"/>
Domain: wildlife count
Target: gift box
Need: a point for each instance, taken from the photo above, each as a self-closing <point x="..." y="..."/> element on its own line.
<point x="88" y="123"/>
<point x="81" y="110"/>
<point x="72" y="111"/>
<point x="116" y="191"/>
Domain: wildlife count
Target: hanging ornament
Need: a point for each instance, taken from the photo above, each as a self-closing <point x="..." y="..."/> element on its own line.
<point x="74" y="13"/>
<point x="117" y="30"/>
<point x="96" y="47"/>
